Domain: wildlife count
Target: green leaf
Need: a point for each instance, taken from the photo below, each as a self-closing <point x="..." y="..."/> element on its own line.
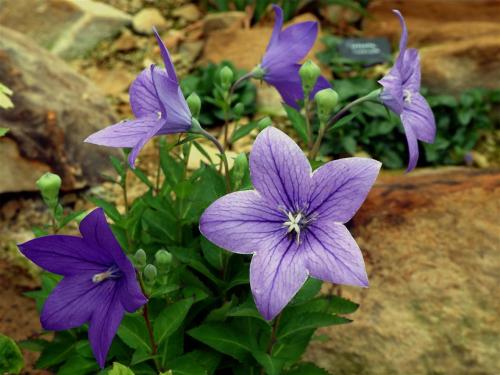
<point x="298" y="122"/>
<point x="69" y="218"/>
<point x="339" y="305"/>
<point x="133" y="332"/>
<point x="119" y="369"/>
<point x="194" y="260"/>
<point x="224" y="338"/>
<point x="170" y="319"/>
<point x="241" y="278"/>
<point x="3" y="131"/>
<point x="77" y="365"/>
<point x="55" y="353"/>
<point x="109" y="208"/>
<point x="246" y="309"/>
<point x="309" y="290"/>
<point x="308" y="321"/>
<point x="349" y="144"/>
<point x="343" y="121"/>
<point x="118" y="165"/>
<point x="243" y="131"/>
<point x="306" y="369"/>
<point x="213" y="254"/>
<point x="142" y="176"/>
<point x="272" y="365"/>
<point x="11" y="359"/>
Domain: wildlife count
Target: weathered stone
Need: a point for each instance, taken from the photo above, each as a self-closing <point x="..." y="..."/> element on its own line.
<point x="55" y="110"/>
<point x="432" y="248"/>
<point x="226" y="20"/>
<point x="147" y="18"/>
<point x="68" y="28"/>
<point x="188" y="12"/>
<point x="126" y="42"/>
<point x="191" y="50"/>
<point x="338" y="14"/>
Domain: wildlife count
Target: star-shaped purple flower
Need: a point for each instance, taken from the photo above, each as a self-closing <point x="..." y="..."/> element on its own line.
<point x="280" y="64"/>
<point x="293" y="222"/>
<point x="401" y="94"/>
<point x="158" y="105"/>
<point x="99" y="282"/>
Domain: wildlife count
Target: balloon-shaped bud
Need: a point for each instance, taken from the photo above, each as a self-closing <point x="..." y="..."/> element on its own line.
<point x="140" y="258"/>
<point x="49" y="185"/>
<point x="163" y="259"/>
<point x="226" y="77"/>
<point x="150" y="272"/>
<point x="309" y="73"/>
<point x="326" y="101"/>
<point x="194" y="104"/>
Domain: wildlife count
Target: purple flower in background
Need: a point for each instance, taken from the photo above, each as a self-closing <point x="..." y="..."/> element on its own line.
<point x="293" y="221"/>
<point x="280" y="64"/>
<point x="401" y="94"/>
<point x="99" y="282"/>
<point x="158" y="105"/>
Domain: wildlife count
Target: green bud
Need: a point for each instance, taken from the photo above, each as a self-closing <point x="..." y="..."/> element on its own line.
<point x="150" y="273"/>
<point x="140" y="258"/>
<point x="238" y="110"/>
<point x="309" y="73"/>
<point x="194" y="104"/>
<point x="226" y="77"/>
<point x="163" y="258"/>
<point x="49" y="185"/>
<point x="326" y="101"/>
<point x="240" y="166"/>
<point x="264" y="123"/>
<point x="258" y="72"/>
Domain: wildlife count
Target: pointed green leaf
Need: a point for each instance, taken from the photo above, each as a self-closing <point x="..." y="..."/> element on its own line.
<point x="170" y="319"/>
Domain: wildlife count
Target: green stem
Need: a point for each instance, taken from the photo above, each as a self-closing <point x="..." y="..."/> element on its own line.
<point x="315" y="149"/>
<point x="273" y="339"/>
<point x="158" y="169"/>
<point x="308" y="124"/>
<point x="217" y="144"/>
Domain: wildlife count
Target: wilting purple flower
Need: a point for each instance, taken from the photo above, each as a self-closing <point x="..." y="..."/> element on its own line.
<point x="285" y="50"/>
<point x="158" y="105"/>
<point x="293" y="221"/>
<point x="401" y="94"/>
<point x="99" y="282"/>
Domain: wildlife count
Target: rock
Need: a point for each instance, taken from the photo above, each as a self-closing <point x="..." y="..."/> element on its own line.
<point x="113" y="81"/>
<point x="68" y="28"/>
<point x="224" y="20"/>
<point x="147" y="18"/>
<point x="126" y="42"/>
<point x="432" y="248"/>
<point x="459" y="40"/>
<point x="269" y="101"/>
<point x="188" y="12"/>
<point x="338" y="14"/>
<point x="55" y="110"/>
<point x="173" y="38"/>
<point x="191" y="50"/>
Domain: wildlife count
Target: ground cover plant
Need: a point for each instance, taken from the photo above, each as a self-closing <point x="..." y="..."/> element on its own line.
<point x="215" y="270"/>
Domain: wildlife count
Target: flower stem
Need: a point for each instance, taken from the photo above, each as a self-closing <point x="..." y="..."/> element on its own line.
<point x="308" y="124"/>
<point x="273" y="339"/>
<point x="315" y="149"/>
<point x="158" y="169"/>
<point x="217" y="144"/>
<point x="238" y="82"/>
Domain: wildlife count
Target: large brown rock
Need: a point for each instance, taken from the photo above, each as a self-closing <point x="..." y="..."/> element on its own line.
<point x="432" y="247"/>
<point x="55" y="109"/>
<point x="459" y="40"/>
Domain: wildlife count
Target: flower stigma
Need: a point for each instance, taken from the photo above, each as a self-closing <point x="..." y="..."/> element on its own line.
<point x="111" y="273"/>
<point x="407" y="96"/>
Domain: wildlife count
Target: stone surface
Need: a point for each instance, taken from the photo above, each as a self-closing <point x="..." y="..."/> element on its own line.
<point x="68" y="28"/>
<point x="226" y="20"/>
<point x="432" y="248"/>
<point x="147" y="18"/>
<point x="55" y="110"/>
<point x="459" y="40"/>
<point x="188" y="12"/>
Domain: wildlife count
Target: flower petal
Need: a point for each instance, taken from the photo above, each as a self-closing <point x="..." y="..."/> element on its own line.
<point x="410" y="70"/>
<point x="279" y="170"/>
<point x="242" y="222"/>
<point x="72" y="301"/>
<point x="392" y="93"/>
<point x="340" y="187"/>
<point x="64" y="255"/>
<point x="131" y="296"/>
<point x="278" y="24"/>
<point x="403" y="41"/>
<point x="332" y="254"/>
<point x="143" y="98"/>
<point x="418" y="114"/>
<point x="104" y="323"/>
<point x="276" y="275"/>
<point x="411" y="138"/>
<point x="167" y="60"/>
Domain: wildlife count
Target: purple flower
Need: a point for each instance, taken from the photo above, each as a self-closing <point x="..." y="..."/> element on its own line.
<point x="401" y="94"/>
<point x="293" y="221"/>
<point x="285" y="50"/>
<point x="158" y="105"/>
<point x="99" y="282"/>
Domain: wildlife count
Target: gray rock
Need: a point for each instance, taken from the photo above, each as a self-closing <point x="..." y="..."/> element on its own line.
<point x="188" y="12"/>
<point x="68" y="28"/>
<point x="226" y="20"/>
<point x="147" y="18"/>
<point x="55" y="109"/>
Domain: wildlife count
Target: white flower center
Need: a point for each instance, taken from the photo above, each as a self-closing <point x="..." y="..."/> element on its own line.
<point x="293" y="223"/>
<point x="159" y="114"/>
<point x="112" y="272"/>
<point x="407" y="96"/>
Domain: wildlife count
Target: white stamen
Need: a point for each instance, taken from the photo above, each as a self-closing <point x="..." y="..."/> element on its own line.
<point x="407" y="96"/>
<point x="293" y="224"/>
<point x="159" y="114"/>
<point x="97" y="278"/>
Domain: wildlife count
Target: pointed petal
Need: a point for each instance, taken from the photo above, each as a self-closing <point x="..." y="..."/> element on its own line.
<point x="279" y="169"/>
<point x="276" y="275"/>
<point x="64" y="255"/>
<point x="410" y="70"/>
<point x="242" y="222"/>
<point x="411" y="138"/>
<point x="340" y="187"/>
<point x="72" y="301"/>
<point x="392" y="93"/>
<point x="178" y="118"/>
<point x="332" y="255"/>
<point x="403" y="41"/>
<point x="104" y="323"/>
<point x="167" y="60"/>
<point x="151" y="132"/>
<point x="418" y="114"/>
<point x="278" y="24"/>
<point x="130" y="294"/>
<point x="143" y="98"/>
<point x="126" y="133"/>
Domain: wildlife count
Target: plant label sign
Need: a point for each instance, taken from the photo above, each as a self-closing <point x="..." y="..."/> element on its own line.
<point x="366" y="50"/>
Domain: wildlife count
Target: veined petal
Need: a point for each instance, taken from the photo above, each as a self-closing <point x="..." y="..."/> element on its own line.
<point x="278" y="24"/>
<point x="340" y="187"/>
<point x="167" y="60"/>
<point x="72" y="301"/>
<point x="392" y="92"/>
<point x="410" y="70"/>
<point x="279" y="169"/>
<point x="130" y="294"/>
<point x="411" y="138"/>
<point x="276" y="275"/>
<point x="64" y="255"/>
<point x="143" y="98"/>
<point x="126" y="133"/>
<point x="418" y="114"/>
<point x="332" y="254"/>
<point x="403" y="41"/>
<point x="152" y="131"/>
<point x="242" y="222"/>
<point x="106" y="319"/>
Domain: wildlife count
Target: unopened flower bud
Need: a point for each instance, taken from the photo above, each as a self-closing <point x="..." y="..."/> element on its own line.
<point x="258" y="72"/>
<point x="326" y="101"/>
<point x="140" y="258"/>
<point x="163" y="258"/>
<point x="240" y="166"/>
<point x="226" y="77"/>
<point x="264" y="123"/>
<point x="150" y="273"/>
<point x="194" y="104"/>
<point x="238" y="110"/>
<point x="49" y="185"/>
<point x="309" y="73"/>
